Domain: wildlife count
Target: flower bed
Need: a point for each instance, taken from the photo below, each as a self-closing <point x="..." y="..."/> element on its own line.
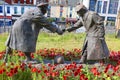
<point x="15" y="70"/>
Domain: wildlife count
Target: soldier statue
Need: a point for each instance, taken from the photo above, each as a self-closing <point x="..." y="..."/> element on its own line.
<point x="26" y="29"/>
<point x="118" y="25"/>
<point x="94" y="48"/>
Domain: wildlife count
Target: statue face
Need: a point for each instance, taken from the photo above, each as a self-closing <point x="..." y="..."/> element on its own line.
<point x="44" y="9"/>
<point x="81" y="12"/>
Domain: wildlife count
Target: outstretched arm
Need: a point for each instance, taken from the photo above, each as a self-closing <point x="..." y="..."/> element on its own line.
<point x="48" y="25"/>
<point x="41" y="20"/>
<point x="77" y="25"/>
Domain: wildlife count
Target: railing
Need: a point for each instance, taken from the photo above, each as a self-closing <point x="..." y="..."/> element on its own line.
<point x="5" y="29"/>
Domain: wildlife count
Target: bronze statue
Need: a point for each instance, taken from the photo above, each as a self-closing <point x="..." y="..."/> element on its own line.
<point x="94" y="48"/>
<point x="118" y="25"/>
<point x="25" y="31"/>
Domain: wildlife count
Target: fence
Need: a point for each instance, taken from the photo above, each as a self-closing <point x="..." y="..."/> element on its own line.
<point x="5" y="29"/>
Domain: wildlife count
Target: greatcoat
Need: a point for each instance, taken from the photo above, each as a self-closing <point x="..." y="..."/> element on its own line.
<point x="118" y="25"/>
<point x="94" y="42"/>
<point x="25" y="30"/>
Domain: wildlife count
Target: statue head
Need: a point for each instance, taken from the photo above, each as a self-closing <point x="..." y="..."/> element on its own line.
<point x="43" y="6"/>
<point x="80" y="9"/>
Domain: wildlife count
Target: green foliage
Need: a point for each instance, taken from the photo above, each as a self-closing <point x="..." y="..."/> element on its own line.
<point x="62" y="18"/>
<point x="50" y="19"/>
<point x="23" y="75"/>
<point x="112" y="42"/>
<point x="3" y="38"/>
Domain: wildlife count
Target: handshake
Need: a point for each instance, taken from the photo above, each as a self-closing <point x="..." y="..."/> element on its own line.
<point x="64" y="30"/>
<point x="60" y="32"/>
<point x="67" y="29"/>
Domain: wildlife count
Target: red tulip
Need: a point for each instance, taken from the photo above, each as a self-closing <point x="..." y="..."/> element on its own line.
<point x="82" y="77"/>
<point x="21" y="54"/>
<point x="30" y="65"/>
<point x="32" y="55"/>
<point x="34" y="69"/>
<point x="76" y="73"/>
<point x="9" y="74"/>
<point x="53" y="74"/>
<point x="1" y="55"/>
<point x="115" y="68"/>
<point x="65" y="77"/>
<point x="95" y="71"/>
<point x="107" y="68"/>
<point x="39" y="71"/>
<point x="2" y="71"/>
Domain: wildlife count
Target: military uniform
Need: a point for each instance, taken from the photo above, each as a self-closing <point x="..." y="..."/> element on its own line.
<point x="25" y="30"/>
<point x="118" y="25"/>
<point x="94" y="47"/>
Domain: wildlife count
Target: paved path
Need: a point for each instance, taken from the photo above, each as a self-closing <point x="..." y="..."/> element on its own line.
<point x="61" y="66"/>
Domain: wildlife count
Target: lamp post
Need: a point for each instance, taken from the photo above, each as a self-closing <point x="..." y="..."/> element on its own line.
<point x="67" y="8"/>
<point x="4" y="17"/>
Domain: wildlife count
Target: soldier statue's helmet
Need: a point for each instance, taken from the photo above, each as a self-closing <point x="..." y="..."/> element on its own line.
<point x="42" y="4"/>
<point x="79" y="7"/>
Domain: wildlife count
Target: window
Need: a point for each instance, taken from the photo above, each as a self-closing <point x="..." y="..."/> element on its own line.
<point x="8" y="9"/>
<point x="104" y="7"/>
<point x="22" y="10"/>
<point x="111" y="18"/>
<point x="71" y="8"/>
<point x="18" y="1"/>
<point x="111" y="21"/>
<point x="9" y="23"/>
<point x="30" y="1"/>
<point x="1" y="23"/>
<point x="99" y="5"/>
<point x="61" y="11"/>
<point x="92" y="5"/>
<point x="103" y="17"/>
<point x="113" y="6"/>
<point x="15" y="10"/>
<point x="70" y="15"/>
<point x="24" y="1"/>
<point x="48" y="13"/>
<point x="1" y="9"/>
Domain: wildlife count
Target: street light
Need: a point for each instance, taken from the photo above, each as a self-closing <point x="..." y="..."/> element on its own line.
<point x="4" y="17"/>
<point x="67" y="8"/>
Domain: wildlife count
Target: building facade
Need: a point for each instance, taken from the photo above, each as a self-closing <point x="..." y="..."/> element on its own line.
<point x="108" y="9"/>
<point x="11" y="10"/>
<point x="63" y="8"/>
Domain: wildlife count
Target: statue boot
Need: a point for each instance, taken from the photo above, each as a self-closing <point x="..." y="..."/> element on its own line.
<point x="83" y="58"/>
<point x="29" y="59"/>
<point x="8" y="51"/>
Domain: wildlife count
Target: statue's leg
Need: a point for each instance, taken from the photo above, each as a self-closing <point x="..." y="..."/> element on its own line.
<point x="83" y="58"/>
<point x="29" y="58"/>
<point x="8" y="51"/>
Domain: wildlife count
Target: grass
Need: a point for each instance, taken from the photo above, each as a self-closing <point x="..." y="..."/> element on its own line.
<point x="112" y="42"/>
<point x="67" y="41"/>
<point x="3" y="38"/>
